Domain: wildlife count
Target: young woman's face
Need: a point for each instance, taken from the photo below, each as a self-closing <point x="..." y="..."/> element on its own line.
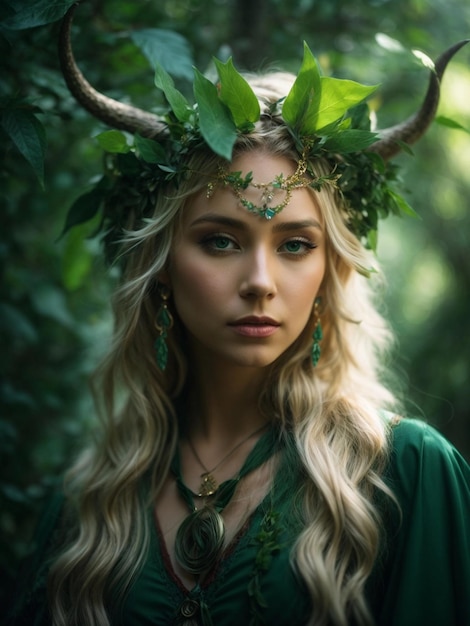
<point x="244" y="286"/>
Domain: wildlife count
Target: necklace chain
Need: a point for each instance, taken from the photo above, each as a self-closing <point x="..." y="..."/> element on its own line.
<point x="209" y="485"/>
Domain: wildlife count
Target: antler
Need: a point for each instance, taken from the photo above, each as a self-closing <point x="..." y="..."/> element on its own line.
<point x="112" y="112"/>
<point x="415" y="126"/>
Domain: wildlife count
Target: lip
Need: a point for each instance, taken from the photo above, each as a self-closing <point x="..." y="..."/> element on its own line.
<point x="255" y="326"/>
<point x="255" y="320"/>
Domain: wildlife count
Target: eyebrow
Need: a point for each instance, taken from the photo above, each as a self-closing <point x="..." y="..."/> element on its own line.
<point x="214" y="218"/>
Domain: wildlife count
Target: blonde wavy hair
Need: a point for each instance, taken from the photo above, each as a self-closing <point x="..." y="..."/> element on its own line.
<point x="334" y="413"/>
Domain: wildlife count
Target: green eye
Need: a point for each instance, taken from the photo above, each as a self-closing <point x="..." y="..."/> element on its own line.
<point x="298" y="247"/>
<point x="294" y="246"/>
<point x="221" y="242"/>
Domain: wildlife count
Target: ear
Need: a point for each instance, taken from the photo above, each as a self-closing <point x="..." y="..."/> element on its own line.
<point x="163" y="278"/>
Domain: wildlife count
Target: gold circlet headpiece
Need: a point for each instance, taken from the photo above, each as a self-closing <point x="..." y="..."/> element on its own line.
<point x="239" y="184"/>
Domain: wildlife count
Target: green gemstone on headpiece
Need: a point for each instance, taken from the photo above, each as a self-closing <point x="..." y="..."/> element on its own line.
<point x="269" y="213"/>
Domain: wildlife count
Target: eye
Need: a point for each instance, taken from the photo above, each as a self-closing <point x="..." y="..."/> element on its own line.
<point x="298" y="247"/>
<point x="218" y="243"/>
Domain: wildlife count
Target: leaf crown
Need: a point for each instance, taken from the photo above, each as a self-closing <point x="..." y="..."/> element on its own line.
<point x="326" y="117"/>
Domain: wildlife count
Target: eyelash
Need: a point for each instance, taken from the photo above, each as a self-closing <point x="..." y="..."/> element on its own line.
<point x="307" y="246"/>
<point x="209" y="243"/>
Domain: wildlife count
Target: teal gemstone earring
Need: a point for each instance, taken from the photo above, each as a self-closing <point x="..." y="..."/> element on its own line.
<point x="317" y="334"/>
<point x="163" y="323"/>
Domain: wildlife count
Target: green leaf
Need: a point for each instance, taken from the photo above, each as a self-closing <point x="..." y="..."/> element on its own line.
<point x="167" y="49"/>
<point x="372" y="239"/>
<point x="37" y="13"/>
<point x="403" y="205"/>
<point x="28" y="135"/>
<point x="150" y="150"/>
<point x="86" y="206"/>
<point x="175" y="98"/>
<point x="359" y="116"/>
<point x="237" y="94"/>
<point x="215" y="120"/>
<point x="304" y="91"/>
<point x="350" y="141"/>
<point x="113" y="141"/>
<point x="336" y="97"/>
<point x="77" y="260"/>
<point x="315" y="101"/>
<point x="450" y="123"/>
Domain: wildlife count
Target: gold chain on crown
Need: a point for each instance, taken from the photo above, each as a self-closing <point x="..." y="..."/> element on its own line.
<point x="238" y="184"/>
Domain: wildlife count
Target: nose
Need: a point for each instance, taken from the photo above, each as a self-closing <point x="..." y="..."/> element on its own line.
<point x="259" y="275"/>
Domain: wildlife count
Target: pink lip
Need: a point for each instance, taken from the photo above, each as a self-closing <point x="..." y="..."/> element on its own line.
<point x="254" y="326"/>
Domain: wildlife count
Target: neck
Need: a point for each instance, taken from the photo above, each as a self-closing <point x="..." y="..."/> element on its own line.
<point x="223" y="402"/>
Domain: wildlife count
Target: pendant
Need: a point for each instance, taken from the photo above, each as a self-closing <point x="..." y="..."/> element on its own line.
<point x="200" y="540"/>
<point x="208" y="485"/>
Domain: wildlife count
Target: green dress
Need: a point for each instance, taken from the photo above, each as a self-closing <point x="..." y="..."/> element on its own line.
<point x="421" y="578"/>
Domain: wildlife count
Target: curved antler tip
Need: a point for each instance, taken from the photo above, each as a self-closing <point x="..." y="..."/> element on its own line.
<point x="408" y="132"/>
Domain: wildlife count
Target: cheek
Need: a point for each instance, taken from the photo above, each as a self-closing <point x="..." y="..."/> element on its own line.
<point x="194" y="284"/>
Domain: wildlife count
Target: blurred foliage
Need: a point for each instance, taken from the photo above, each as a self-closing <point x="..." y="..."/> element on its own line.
<point x="54" y="292"/>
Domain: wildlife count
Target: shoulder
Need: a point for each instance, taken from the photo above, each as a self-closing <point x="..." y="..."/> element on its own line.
<point x="420" y="455"/>
<point x="413" y="438"/>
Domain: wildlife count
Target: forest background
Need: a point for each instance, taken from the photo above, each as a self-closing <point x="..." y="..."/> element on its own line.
<point x="55" y="291"/>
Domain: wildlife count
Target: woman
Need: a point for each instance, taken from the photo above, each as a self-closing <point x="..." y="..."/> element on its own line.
<point x="251" y="467"/>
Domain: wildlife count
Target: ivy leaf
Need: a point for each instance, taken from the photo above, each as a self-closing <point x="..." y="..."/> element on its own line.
<point x="175" y="98"/>
<point x="167" y="49"/>
<point x="304" y="91"/>
<point x="215" y="121"/>
<point x="149" y="150"/>
<point x="28" y="135"/>
<point x="36" y="13"/>
<point x="237" y="94"/>
<point x="113" y="141"/>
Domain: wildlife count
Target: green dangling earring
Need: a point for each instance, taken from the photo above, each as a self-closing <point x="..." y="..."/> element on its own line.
<point x="317" y="334"/>
<point x="163" y="323"/>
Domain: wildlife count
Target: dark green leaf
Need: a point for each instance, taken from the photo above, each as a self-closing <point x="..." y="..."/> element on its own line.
<point x="150" y="150"/>
<point x="403" y="205"/>
<point x="165" y="48"/>
<point x="175" y="98"/>
<point x="215" y="121"/>
<point x="237" y="94"/>
<point x="38" y="13"/>
<point x="86" y="206"/>
<point x="28" y="135"/>
<point x="350" y="141"/>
